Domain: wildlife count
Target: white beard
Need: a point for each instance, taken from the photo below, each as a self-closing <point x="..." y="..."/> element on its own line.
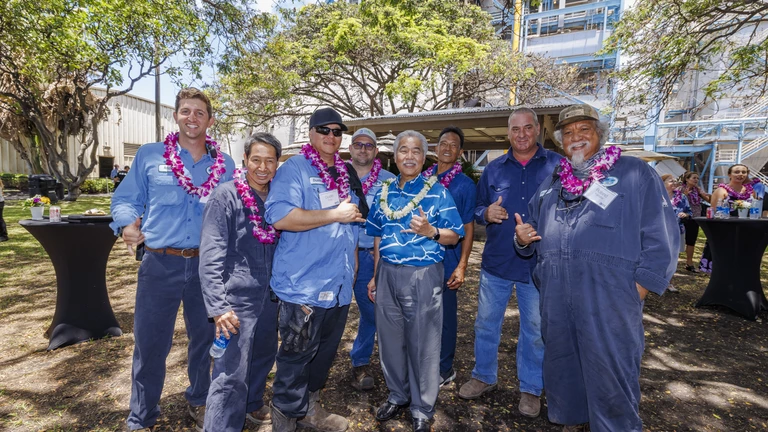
<point x="577" y="158"/>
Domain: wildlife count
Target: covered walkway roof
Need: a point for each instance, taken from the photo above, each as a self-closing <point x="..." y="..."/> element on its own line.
<point x="485" y="128"/>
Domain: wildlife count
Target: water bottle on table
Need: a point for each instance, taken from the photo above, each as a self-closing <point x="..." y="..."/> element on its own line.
<point x="219" y="346"/>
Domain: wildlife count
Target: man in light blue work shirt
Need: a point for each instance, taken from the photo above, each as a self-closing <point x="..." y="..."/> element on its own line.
<point x="313" y="272"/>
<point x="154" y="211"/>
<point x="363" y="162"/>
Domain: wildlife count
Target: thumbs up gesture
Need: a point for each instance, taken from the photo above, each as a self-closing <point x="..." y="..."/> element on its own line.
<point x="495" y="213"/>
<point x="347" y="212"/>
<point x="525" y="232"/>
<point x="132" y="235"/>
<point x="420" y="225"/>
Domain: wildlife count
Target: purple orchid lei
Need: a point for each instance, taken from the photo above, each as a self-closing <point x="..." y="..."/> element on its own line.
<point x="677" y="197"/>
<point x="748" y="189"/>
<point x="576" y="186"/>
<point x="372" y="177"/>
<point x="313" y="156"/>
<point x="453" y="172"/>
<point x="266" y="236"/>
<point x="173" y="160"/>
<point x="694" y="198"/>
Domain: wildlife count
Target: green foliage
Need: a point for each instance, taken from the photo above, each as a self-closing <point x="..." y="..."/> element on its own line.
<point x="666" y="42"/>
<point x="53" y="52"/>
<point x="378" y="57"/>
<point x="97" y="186"/>
<point x="15" y="181"/>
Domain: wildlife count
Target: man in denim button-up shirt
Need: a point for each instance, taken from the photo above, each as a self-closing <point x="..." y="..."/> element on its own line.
<point x="506" y="186"/>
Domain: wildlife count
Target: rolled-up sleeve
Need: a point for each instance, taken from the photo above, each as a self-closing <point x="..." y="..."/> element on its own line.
<point x="659" y="235"/>
<point x="214" y="243"/>
<point x="130" y="199"/>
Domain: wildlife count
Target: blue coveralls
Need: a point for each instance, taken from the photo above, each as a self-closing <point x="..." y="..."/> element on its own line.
<point x="170" y="218"/>
<point x="589" y="260"/>
<point x="234" y="275"/>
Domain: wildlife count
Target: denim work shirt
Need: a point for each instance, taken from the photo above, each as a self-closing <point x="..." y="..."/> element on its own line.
<point x="516" y="184"/>
<point x="412" y="249"/>
<point x="170" y="216"/>
<point x="234" y="265"/>
<point x="314" y="267"/>
<point x="634" y="240"/>
<point x="464" y="194"/>
<point x="365" y="241"/>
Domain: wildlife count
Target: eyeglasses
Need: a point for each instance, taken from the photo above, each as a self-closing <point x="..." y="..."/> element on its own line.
<point x="363" y="145"/>
<point x="569" y="204"/>
<point x="322" y="130"/>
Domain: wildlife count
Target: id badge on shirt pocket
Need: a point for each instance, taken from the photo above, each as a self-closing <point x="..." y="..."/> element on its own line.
<point x="329" y="199"/>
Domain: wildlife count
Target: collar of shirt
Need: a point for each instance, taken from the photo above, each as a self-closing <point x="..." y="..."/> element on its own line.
<point x="540" y="153"/>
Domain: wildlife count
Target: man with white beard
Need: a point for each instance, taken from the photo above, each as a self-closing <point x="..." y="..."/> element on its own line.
<point x="604" y="237"/>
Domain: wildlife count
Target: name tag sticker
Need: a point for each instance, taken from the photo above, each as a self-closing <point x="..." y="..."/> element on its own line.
<point x="325" y="296"/>
<point x="204" y="199"/>
<point x="329" y="199"/>
<point x="315" y="181"/>
<point x="600" y="195"/>
<point x="164" y="168"/>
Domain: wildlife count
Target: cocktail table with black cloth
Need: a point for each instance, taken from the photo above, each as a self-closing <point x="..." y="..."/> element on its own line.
<point x="78" y="248"/>
<point x="737" y="251"/>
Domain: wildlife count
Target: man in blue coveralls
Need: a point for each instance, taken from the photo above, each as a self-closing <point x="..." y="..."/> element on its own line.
<point x="604" y="237"/>
<point x="160" y="204"/>
<point x="313" y="272"/>
<point x="463" y="190"/>
<point x="236" y="251"/>
<point x="506" y="186"/>
<point x="363" y="161"/>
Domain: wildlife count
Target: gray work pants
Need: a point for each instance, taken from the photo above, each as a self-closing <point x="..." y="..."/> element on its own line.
<point x="409" y="321"/>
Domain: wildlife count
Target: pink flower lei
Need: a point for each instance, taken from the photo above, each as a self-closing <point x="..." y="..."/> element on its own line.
<point x="677" y="197"/>
<point x="453" y="172"/>
<point x="173" y="160"/>
<point x="748" y="189"/>
<point x="313" y="156"/>
<point x="266" y="236"/>
<point x="693" y="195"/>
<point x="372" y="177"/>
<point x="576" y="186"/>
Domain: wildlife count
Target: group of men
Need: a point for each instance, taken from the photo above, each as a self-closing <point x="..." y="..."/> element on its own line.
<point x="284" y="250"/>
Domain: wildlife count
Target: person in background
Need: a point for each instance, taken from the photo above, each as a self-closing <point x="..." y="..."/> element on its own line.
<point x="680" y="207"/>
<point x="160" y="204"/>
<point x="3" y="227"/>
<point x="412" y="219"/>
<point x="115" y="169"/>
<point x="695" y="196"/>
<point x="449" y="173"/>
<point x="236" y="251"/>
<point x="366" y="176"/>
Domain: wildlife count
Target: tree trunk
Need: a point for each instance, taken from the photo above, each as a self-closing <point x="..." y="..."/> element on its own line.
<point x="73" y="193"/>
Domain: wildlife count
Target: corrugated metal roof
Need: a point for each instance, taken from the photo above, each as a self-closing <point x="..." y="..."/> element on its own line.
<point x="452" y="111"/>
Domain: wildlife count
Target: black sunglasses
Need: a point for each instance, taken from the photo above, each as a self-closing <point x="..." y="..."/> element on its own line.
<point x="362" y="145"/>
<point x="322" y="130"/>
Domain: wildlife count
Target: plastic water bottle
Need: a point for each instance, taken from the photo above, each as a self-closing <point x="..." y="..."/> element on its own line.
<point x="219" y="346"/>
<point x="756" y="209"/>
<point x="723" y="210"/>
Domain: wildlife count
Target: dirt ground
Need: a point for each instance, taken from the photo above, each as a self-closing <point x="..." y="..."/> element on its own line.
<point x="703" y="369"/>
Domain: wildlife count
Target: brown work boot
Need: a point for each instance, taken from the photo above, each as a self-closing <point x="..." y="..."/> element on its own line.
<point x="474" y="388"/>
<point x="530" y="405"/>
<point x="319" y="419"/>
<point x="198" y="415"/>
<point x="281" y="423"/>
<point x="361" y="378"/>
<point x="261" y="416"/>
<point x="584" y="427"/>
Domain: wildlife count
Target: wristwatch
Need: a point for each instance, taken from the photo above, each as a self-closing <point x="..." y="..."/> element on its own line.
<point x="436" y="237"/>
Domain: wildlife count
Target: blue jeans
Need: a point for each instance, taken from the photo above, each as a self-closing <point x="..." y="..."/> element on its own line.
<point x="362" y="348"/>
<point x="492" y="303"/>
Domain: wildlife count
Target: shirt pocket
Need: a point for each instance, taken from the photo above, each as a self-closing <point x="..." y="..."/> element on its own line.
<point x="500" y="190"/>
<point x="610" y="218"/>
<point x="164" y="190"/>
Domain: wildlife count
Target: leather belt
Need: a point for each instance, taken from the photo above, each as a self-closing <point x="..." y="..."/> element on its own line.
<point x="365" y="249"/>
<point x="186" y="253"/>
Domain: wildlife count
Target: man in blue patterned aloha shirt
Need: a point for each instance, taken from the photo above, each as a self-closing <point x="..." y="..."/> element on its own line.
<point x="412" y="220"/>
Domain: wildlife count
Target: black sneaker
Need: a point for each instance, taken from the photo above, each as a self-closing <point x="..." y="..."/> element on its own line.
<point x="447" y="377"/>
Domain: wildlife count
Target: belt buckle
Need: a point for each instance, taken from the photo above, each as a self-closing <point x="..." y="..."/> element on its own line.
<point x="191" y="253"/>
